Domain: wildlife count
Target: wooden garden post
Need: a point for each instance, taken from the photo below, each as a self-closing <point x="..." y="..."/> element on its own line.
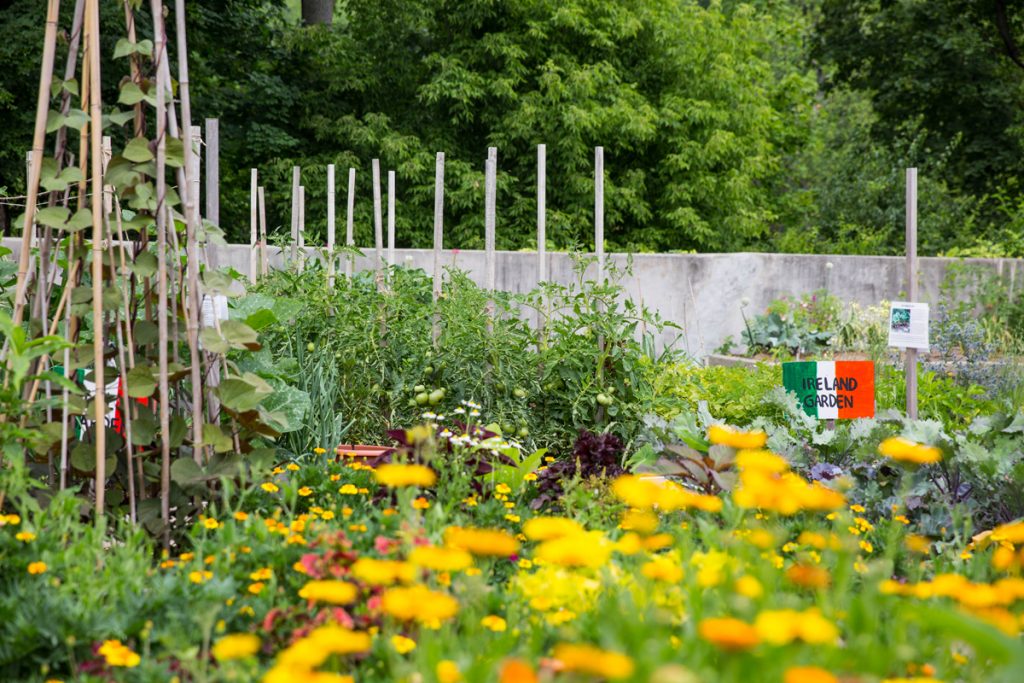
<point x="391" y="218"/>
<point x="295" y="213"/>
<point x="599" y="211"/>
<point x="330" y="226"/>
<point x="378" y="227"/>
<point x="490" y="218"/>
<point x="260" y="197"/>
<point x="912" y="293"/>
<point x="438" y="237"/>
<point x="253" y="220"/>
<point x="350" y="239"/>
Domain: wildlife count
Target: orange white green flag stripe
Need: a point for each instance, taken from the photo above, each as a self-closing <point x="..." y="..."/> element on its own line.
<point x="830" y="390"/>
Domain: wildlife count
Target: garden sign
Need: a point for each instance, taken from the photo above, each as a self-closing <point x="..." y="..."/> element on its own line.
<point x="841" y="389"/>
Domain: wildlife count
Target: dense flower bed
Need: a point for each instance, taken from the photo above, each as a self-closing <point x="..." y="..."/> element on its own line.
<point x="435" y="567"/>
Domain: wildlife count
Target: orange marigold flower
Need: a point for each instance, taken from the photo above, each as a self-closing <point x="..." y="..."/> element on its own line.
<point x="396" y="475"/>
<point x="236" y="646"/>
<point x="486" y="542"/>
<point x="333" y="592"/>
<point x="516" y="671"/>
<point x="808" y="674"/>
<point x="729" y="634"/>
<point x="593" y="660"/>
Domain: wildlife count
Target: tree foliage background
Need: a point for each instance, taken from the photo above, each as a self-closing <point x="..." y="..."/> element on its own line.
<point x="768" y="125"/>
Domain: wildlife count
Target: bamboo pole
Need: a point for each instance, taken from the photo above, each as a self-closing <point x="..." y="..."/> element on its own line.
<point x="263" y="231"/>
<point x="252" y="224"/>
<point x="96" y="150"/>
<point x="330" y="226"/>
<point x="136" y="73"/>
<point x="378" y="227"/>
<point x="38" y="140"/>
<point x="350" y="240"/>
<point x="391" y="218"/>
<point x="160" y="54"/>
<point x="438" y="238"/>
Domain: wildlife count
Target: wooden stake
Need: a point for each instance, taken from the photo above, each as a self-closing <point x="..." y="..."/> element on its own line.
<point x="599" y="211"/>
<point x="192" y="298"/>
<point x="213" y="171"/>
<point x="391" y="218"/>
<point x="490" y="200"/>
<point x="330" y="226"/>
<point x="96" y="150"/>
<point x="378" y="227"/>
<point x="911" y="354"/>
<point x="253" y="220"/>
<point x="438" y="237"/>
<point x="301" y="231"/>
<point x="349" y="220"/>
<point x="38" y="140"/>
<point x="264" y="267"/>
<point x="296" y="172"/>
<point x="542" y="226"/>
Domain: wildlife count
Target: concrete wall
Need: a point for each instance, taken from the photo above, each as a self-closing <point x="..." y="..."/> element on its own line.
<point x="718" y="282"/>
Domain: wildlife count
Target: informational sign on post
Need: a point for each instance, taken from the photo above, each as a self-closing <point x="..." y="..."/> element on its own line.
<point x="830" y="390"/>
<point x="908" y="325"/>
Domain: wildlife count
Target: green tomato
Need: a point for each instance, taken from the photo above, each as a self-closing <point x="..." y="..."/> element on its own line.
<point x="435" y="397"/>
<point x="523" y="432"/>
<point x="422" y="398"/>
<point x="520" y="392"/>
<point x="311" y="347"/>
<point x="429" y="369"/>
<point x="419" y="388"/>
<point x="605" y="399"/>
<point x="507" y="427"/>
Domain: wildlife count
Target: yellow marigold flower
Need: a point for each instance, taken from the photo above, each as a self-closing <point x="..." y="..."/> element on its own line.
<point x="12" y="519"/>
<point x="241" y="516"/>
<point x="305" y="491"/>
<point x="547" y="528"/>
<point x="382" y="572"/>
<point x="36" y="567"/>
<point x="470" y="501"/>
<point x="269" y="487"/>
<point x="402" y="644"/>
<point x="867" y="547"/>
<point x="905" y="450"/>
<point x="734" y="438"/>
<point x="748" y="587"/>
<point x="808" y="674"/>
<point x="662" y="568"/>
<point x="503" y="489"/>
<point x="762" y="461"/>
<point x="781" y="627"/>
<point x="418" y="603"/>
<point x="916" y="679"/>
<point x="262" y="574"/>
<point x="200" y="576"/>
<point x="256" y="587"/>
<point x="187" y="557"/>
<point x="494" y="623"/>
<point x="485" y="542"/>
<point x="396" y="475"/>
<point x="440" y="559"/>
<point x="512" y="518"/>
<point x="657" y="542"/>
<point x="448" y="672"/>
<point x="310" y="652"/>
<point x="333" y="592"/>
<point x="319" y="451"/>
<point x="592" y="660"/>
<point x="530" y="476"/>
<point x="236" y="646"/>
<point x="211" y="523"/>
<point x="117" y="654"/>
<point x="727" y="633"/>
<point x="588" y="549"/>
<point x="349" y="490"/>
<point x="25" y="536"/>
<point x="292" y="467"/>
<point x="421" y="503"/>
<point x="641" y="521"/>
<point x="525" y="563"/>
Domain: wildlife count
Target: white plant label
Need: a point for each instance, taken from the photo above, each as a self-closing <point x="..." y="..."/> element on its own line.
<point x="908" y="325"/>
